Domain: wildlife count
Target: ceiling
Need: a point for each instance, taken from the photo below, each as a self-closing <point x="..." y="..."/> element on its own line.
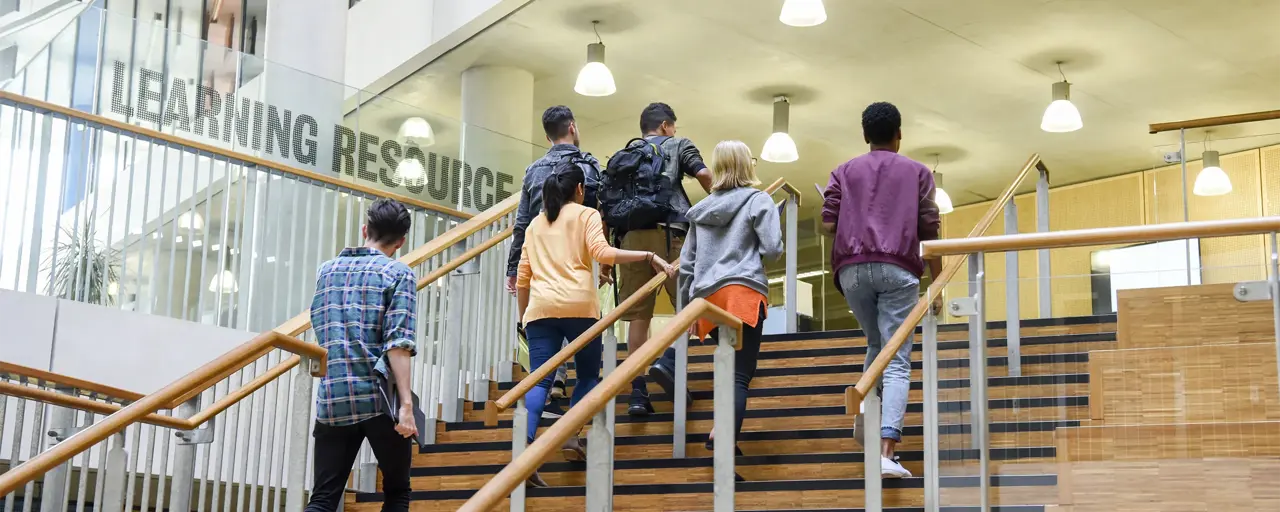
<point x="971" y="78"/>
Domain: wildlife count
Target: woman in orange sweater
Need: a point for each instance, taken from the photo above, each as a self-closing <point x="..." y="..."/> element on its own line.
<point x="556" y="290"/>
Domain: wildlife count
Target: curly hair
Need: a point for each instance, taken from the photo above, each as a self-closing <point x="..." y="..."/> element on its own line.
<point x="881" y="122"/>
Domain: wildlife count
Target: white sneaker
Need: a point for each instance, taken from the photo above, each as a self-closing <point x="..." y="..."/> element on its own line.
<point x="550" y="415"/>
<point x="890" y="468"/>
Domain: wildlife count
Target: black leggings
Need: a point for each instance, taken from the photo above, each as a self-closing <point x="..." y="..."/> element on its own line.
<point x="744" y="368"/>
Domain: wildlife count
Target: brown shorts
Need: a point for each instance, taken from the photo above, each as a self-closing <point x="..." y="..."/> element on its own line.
<point x="633" y="276"/>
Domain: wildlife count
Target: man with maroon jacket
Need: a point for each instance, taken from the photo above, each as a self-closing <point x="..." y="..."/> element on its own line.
<point x="880" y="207"/>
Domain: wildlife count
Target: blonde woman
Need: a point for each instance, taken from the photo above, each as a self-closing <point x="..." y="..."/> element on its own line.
<point x="732" y="231"/>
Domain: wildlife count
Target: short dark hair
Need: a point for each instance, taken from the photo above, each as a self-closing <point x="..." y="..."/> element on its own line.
<point x="556" y="121"/>
<point x="881" y="122"/>
<point x="654" y="115"/>
<point x="387" y="221"/>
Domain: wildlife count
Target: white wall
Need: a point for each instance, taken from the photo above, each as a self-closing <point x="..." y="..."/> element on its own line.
<point x="387" y="40"/>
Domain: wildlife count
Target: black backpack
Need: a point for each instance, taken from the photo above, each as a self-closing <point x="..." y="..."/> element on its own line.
<point x="634" y="193"/>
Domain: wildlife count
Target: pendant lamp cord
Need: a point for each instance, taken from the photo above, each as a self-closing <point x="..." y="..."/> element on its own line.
<point x="1064" y="75"/>
<point x="595" y="27"/>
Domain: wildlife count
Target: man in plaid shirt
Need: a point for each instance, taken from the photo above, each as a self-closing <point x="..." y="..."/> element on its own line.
<point x="365" y="309"/>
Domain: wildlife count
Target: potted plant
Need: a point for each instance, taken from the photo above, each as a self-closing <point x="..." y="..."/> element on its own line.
<point x="85" y="268"/>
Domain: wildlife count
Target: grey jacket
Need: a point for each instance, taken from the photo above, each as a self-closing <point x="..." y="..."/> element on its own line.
<point x="731" y="232"/>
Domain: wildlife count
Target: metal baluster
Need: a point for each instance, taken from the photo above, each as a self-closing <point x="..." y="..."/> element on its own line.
<point x="726" y="438"/>
<point x="131" y="463"/>
<point x="61" y="423"/>
<point x="173" y="249"/>
<point x="111" y="222"/>
<point x="184" y="464"/>
<point x="600" y="438"/>
<point x="35" y="450"/>
<point x="15" y="450"/>
<point x="114" y="475"/>
<point x="1042" y="255"/>
<point x="153" y="295"/>
<point x="15" y="128"/>
<point x="206" y="245"/>
<point x="163" y="471"/>
<point x="978" y="376"/>
<point x="57" y="225"/>
<point x="150" y="456"/>
<point x="100" y="479"/>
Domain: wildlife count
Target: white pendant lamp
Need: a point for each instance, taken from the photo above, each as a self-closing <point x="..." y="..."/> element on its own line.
<point x="224" y="281"/>
<point x="940" y="197"/>
<point x="1212" y="180"/>
<point x="803" y="13"/>
<point x="410" y="170"/>
<point x="780" y="148"/>
<point x="191" y="221"/>
<point x="595" y="79"/>
<point x="417" y="131"/>
<point x="1061" y="116"/>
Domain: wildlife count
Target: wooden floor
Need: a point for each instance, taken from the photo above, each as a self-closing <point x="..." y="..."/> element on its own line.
<point x="797" y="441"/>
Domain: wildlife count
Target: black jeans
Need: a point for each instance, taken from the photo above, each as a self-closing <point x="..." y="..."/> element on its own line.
<point x="336" y="450"/>
<point x="744" y="368"/>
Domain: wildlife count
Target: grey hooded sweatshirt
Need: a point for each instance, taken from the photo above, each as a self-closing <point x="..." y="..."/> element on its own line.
<point x="731" y="231"/>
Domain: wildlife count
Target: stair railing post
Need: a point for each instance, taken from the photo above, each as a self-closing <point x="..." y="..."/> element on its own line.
<point x="1012" y="303"/>
<point x="932" y="481"/>
<point x="600" y="438"/>
<point x="792" y="257"/>
<point x="871" y="449"/>
<point x="1042" y="255"/>
<point x="114" y="474"/>
<point x="1274" y="279"/>
<point x="978" y="375"/>
<point x="53" y="495"/>
<point x="451" y="371"/>
<point x="723" y="417"/>
<point x="680" y="402"/>
<point x="299" y="430"/>
<point x="519" y="441"/>
<point x="184" y="463"/>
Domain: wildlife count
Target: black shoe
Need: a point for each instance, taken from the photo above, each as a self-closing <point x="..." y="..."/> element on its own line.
<point x="553" y="410"/>
<point x="536" y="481"/>
<point x="710" y="445"/>
<point x="640" y="404"/>
<point x="665" y="377"/>
<point x="557" y="390"/>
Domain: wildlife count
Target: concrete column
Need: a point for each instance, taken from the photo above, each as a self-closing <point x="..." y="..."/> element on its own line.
<point x="498" y="116"/>
<point x="305" y="51"/>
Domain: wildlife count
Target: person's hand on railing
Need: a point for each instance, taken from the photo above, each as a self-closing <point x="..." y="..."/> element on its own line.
<point x="408" y="426"/>
<point x="606" y="275"/>
<point x="937" y="304"/>
<point x="511" y="285"/>
<point x="661" y="265"/>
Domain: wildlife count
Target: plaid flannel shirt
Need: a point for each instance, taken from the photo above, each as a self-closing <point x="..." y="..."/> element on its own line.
<point x="365" y="305"/>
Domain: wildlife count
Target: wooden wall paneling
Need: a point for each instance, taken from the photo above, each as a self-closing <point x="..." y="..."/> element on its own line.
<point x="1234" y="259"/>
<point x="1190" y="316"/>
<point x="1195" y="384"/>
<point x="1158" y="468"/>
<point x="1110" y="202"/>
<point x="1269" y="160"/>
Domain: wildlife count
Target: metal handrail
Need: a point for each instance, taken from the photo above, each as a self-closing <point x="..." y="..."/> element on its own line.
<point x="50" y="108"/>
<point x="201" y="379"/>
<point x="511" y="397"/>
<point x="1102" y="236"/>
<point x="871" y="374"/>
<point x="600" y="397"/>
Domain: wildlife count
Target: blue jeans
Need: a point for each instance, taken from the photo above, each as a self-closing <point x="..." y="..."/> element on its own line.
<point x="546" y="337"/>
<point x="880" y="296"/>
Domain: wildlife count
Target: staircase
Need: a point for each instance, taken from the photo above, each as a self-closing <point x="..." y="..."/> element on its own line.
<point x="799" y="453"/>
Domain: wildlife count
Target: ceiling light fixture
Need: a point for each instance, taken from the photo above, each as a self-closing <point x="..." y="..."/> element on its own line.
<point x="191" y="221"/>
<point x="941" y="197"/>
<point x="1212" y="180"/>
<point x="595" y="79"/>
<point x="780" y="147"/>
<point x="417" y="131"/>
<point x="224" y="282"/>
<point x="410" y="171"/>
<point x="803" y="13"/>
<point x="1061" y="116"/>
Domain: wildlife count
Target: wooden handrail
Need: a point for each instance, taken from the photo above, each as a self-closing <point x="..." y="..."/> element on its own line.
<point x="600" y="397"/>
<point x="196" y="382"/>
<point x="84" y="404"/>
<point x="38" y="105"/>
<point x="1207" y="122"/>
<point x="1103" y="236"/>
<point x="872" y="373"/>
<point x="147" y="405"/>
<point x="111" y="393"/>
<point x="493" y="407"/>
